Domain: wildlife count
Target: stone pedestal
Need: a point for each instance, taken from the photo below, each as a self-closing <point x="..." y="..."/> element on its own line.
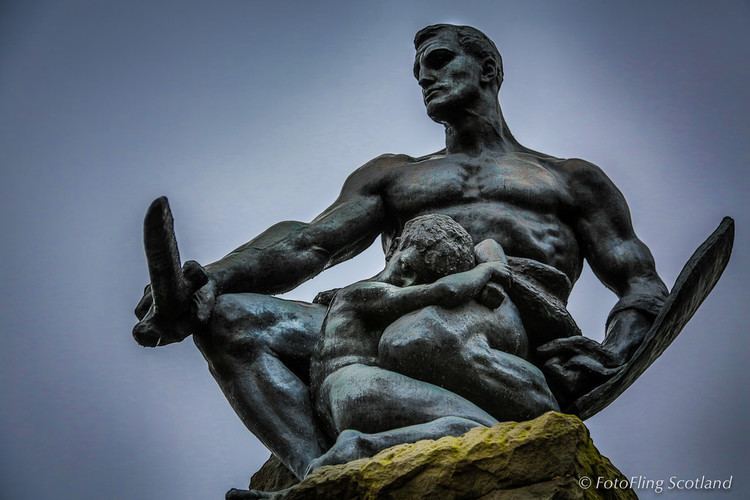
<point x="550" y="457"/>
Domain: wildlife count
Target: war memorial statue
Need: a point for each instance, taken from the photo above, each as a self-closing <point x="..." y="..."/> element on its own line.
<point x="466" y="326"/>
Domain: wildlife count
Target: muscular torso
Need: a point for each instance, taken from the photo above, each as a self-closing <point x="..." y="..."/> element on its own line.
<point x="518" y="199"/>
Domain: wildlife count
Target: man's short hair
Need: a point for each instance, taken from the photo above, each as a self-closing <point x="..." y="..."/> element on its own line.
<point x="445" y="246"/>
<point x="473" y="41"/>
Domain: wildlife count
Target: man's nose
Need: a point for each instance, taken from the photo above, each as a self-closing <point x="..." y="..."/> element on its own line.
<point x="426" y="78"/>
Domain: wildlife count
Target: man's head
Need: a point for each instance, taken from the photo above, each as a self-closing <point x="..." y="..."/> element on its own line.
<point x="456" y="66"/>
<point x="430" y="247"/>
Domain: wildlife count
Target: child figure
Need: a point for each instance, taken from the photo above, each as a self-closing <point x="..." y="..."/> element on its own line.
<point x="414" y="353"/>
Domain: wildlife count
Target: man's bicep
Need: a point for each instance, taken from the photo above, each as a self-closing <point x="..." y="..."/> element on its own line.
<point x="352" y="222"/>
<point x="625" y="266"/>
<point x="605" y="230"/>
<point x="347" y="228"/>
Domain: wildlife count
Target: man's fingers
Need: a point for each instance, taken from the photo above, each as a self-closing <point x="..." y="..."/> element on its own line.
<point x="203" y="302"/>
<point x="584" y="347"/>
<point x="553" y="365"/>
<point x="585" y="365"/>
<point x="141" y="309"/>
<point x="204" y="297"/>
<point x="571" y="345"/>
<point x="194" y="274"/>
<point x="556" y="375"/>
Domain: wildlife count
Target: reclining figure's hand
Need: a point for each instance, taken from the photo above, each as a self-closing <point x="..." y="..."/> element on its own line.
<point x="463" y="287"/>
<point x="494" y="293"/>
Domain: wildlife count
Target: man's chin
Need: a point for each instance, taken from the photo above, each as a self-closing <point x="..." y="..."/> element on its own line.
<point x="440" y="113"/>
<point x="437" y="111"/>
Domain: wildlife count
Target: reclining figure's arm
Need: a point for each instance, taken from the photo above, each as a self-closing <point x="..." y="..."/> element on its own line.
<point x="387" y="302"/>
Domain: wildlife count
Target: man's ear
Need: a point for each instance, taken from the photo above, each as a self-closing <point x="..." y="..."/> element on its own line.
<point x="490" y="71"/>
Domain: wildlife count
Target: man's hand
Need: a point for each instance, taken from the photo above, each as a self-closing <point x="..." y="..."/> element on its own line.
<point x="143" y="305"/>
<point x="204" y="300"/>
<point x="575" y="365"/>
<point x="204" y="291"/>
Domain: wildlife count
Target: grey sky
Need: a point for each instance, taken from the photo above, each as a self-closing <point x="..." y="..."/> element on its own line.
<point x="247" y="113"/>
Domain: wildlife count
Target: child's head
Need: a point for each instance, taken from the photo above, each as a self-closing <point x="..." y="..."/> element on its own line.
<point x="430" y="247"/>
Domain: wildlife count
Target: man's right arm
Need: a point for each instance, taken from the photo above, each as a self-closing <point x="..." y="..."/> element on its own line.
<point x="290" y="253"/>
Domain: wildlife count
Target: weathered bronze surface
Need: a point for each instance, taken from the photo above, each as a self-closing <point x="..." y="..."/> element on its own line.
<point x="466" y="325"/>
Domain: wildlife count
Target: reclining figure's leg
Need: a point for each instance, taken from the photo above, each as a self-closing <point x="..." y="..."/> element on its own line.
<point x="451" y="349"/>
<point x="372" y="409"/>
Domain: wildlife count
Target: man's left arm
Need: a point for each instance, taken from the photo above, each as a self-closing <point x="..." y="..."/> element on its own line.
<point x="624" y="264"/>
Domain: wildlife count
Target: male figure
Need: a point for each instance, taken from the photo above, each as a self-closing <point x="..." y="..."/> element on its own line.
<point x="465" y="361"/>
<point x="554" y="211"/>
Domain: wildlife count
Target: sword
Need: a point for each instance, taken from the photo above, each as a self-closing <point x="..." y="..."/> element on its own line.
<point x="167" y="320"/>
<point x="696" y="280"/>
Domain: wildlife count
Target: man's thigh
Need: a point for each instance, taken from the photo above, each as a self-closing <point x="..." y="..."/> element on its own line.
<point x="247" y="325"/>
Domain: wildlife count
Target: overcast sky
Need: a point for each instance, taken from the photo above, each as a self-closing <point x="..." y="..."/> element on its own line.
<point x="248" y="113"/>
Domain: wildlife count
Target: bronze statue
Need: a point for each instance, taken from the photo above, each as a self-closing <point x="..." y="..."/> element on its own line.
<point x="535" y="217"/>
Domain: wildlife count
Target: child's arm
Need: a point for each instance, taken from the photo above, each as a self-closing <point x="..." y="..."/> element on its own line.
<point x="389" y="302"/>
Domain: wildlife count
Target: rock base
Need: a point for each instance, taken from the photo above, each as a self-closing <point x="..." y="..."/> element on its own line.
<point x="541" y="458"/>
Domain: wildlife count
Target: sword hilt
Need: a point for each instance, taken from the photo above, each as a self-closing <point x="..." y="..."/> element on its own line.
<point x="172" y="285"/>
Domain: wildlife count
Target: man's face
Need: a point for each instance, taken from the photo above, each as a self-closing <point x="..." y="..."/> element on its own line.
<point x="450" y="78"/>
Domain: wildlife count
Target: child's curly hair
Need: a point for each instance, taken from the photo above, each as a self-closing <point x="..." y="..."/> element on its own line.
<point x="446" y="246"/>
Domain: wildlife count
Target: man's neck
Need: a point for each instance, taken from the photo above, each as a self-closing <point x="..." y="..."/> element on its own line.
<point x="476" y="132"/>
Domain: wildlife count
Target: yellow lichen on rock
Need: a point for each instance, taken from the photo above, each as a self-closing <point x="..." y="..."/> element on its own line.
<point x="540" y="458"/>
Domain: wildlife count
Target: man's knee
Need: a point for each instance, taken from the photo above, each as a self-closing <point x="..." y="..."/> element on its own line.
<point x="248" y="324"/>
<point x="239" y="326"/>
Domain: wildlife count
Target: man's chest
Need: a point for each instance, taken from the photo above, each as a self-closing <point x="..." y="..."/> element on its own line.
<point x="442" y="183"/>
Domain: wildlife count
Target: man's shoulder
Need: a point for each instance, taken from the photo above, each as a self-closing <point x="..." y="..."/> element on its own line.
<point x="589" y="187"/>
<point x="578" y="173"/>
<point x="377" y="170"/>
<point x="389" y="161"/>
<point x="585" y="183"/>
<point x="401" y="159"/>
